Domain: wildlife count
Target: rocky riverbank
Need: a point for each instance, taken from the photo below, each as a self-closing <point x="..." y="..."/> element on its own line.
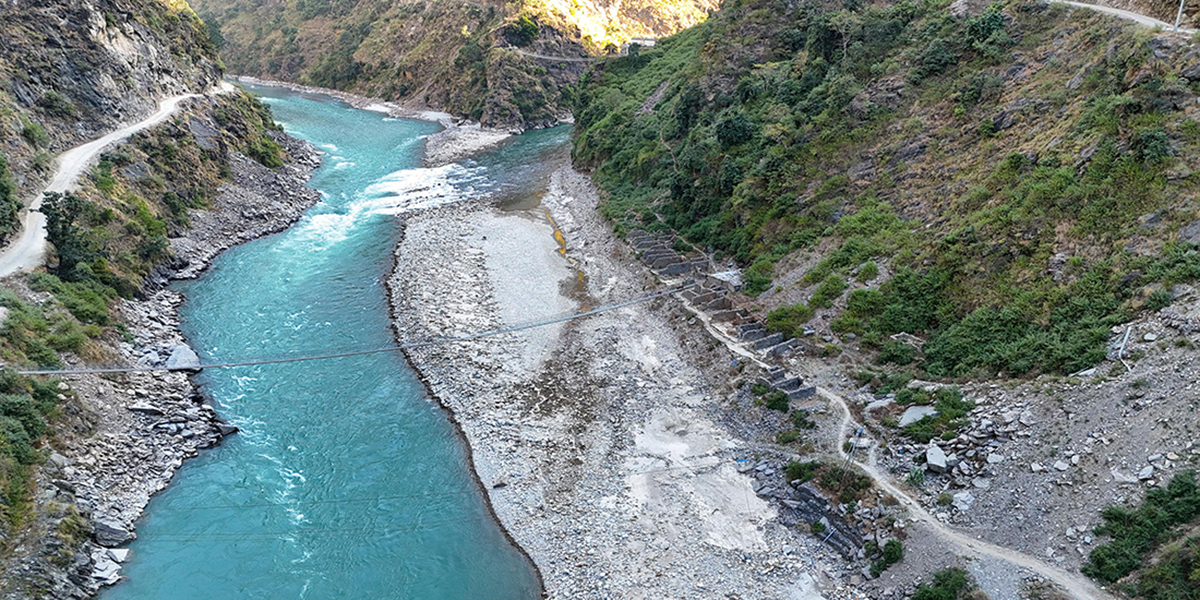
<point x="126" y="434"/>
<point x="599" y="441"/>
<point x="459" y="139"/>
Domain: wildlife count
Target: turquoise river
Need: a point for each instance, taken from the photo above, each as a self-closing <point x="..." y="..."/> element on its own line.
<point x="346" y="480"/>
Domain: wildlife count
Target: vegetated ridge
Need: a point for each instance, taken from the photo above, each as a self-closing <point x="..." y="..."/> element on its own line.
<point x="1003" y="186"/>
<point x="451" y="55"/>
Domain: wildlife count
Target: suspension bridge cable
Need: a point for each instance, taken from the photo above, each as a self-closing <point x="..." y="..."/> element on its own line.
<point x="349" y="353"/>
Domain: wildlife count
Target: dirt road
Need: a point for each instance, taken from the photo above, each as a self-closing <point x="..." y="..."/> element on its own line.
<point x="28" y="251"/>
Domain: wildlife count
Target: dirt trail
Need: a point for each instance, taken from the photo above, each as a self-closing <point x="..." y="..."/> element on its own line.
<point x="1132" y="16"/>
<point x="28" y="251"/>
<point x="1077" y="585"/>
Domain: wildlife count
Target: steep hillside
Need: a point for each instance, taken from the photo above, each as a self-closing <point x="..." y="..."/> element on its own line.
<point x="1003" y="187"/>
<point x="73" y="69"/>
<point x="461" y="56"/>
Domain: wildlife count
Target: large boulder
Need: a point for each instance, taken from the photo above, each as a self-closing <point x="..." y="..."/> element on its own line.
<point x="183" y="358"/>
<point x="935" y="459"/>
<point x="111" y="533"/>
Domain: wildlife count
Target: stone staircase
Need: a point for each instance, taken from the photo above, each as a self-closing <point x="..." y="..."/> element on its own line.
<point x="658" y="252"/>
<point x="778" y="380"/>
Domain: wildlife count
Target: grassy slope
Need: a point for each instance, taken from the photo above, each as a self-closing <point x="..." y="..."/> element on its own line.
<point x="1154" y="549"/>
<point x="1023" y="176"/>
<point x="449" y="54"/>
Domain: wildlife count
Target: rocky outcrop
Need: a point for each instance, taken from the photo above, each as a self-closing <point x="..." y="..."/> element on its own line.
<point x="261" y="202"/>
<point x="78" y="68"/>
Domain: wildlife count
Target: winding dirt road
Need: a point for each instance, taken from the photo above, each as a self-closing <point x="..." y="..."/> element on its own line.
<point x="28" y="251"/>
<point x="1132" y="16"/>
<point x="1075" y="584"/>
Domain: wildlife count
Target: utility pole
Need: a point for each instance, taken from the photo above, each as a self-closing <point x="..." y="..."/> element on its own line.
<point x="1179" y="15"/>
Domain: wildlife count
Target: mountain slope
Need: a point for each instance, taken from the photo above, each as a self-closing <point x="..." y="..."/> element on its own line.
<point x="1006" y="186"/>
<point x="452" y="55"/>
<point x="75" y="69"/>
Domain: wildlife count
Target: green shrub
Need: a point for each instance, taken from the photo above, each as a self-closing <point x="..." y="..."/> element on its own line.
<point x="267" y="152"/>
<point x="801" y="420"/>
<point x="86" y="300"/>
<point x="916" y="477"/>
<point x="817" y="527"/>
<point x="893" y="552"/>
<point x="759" y="388"/>
<point x="25" y="406"/>
<point x="1150" y="145"/>
<point x="10" y="204"/>
<point x="757" y="279"/>
<point x="1136" y="533"/>
<point x="56" y="105"/>
<point x="36" y="134"/>
<point x="735" y="129"/>
<point x="828" y="291"/>
<point x="948" y="584"/>
<point x="522" y="31"/>
<point x="951" y="408"/>
<point x="897" y="352"/>
<point x="776" y="401"/>
<point x="103" y="176"/>
<point x="1159" y="299"/>
<point x="787" y="436"/>
<point x="934" y="59"/>
<point x="800" y="471"/>
<point x="62" y="230"/>
<point x="789" y="320"/>
<point x="1175" y="576"/>
<point x="868" y="272"/>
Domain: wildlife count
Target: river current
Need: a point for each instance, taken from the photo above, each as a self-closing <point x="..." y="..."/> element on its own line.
<point x="346" y="480"/>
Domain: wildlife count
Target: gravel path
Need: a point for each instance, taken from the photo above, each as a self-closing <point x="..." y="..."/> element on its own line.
<point x="28" y="251"/>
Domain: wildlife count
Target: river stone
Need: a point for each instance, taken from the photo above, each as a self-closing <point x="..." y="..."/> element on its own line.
<point x="963" y="501"/>
<point x="183" y="358"/>
<point x="104" y="569"/>
<point x="59" y="460"/>
<point x="916" y="413"/>
<point x="935" y="459"/>
<point x="110" y="533"/>
<point x="1146" y="473"/>
<point x="1120" y="477"/>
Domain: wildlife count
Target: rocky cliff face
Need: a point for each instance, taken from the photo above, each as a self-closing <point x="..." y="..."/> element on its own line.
<point x="473" y="59"/>
<point x="75" y="68"/>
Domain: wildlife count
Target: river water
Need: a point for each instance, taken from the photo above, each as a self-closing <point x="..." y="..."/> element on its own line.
<point x="346" y="480"/>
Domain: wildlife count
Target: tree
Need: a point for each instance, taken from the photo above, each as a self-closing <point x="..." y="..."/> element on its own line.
<point x="62" y="211"/>
<point x="10" y="205"/>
